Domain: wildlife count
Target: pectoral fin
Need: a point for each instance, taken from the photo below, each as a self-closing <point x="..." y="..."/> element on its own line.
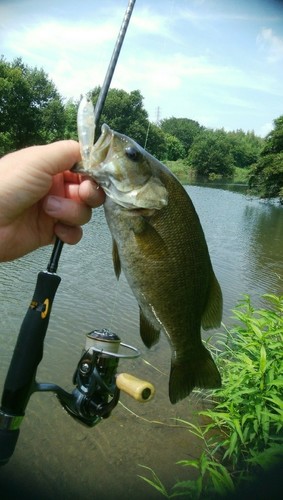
<point x="151" y="244"/>
<point x="149" y="334"/>
<point x="116" y="259"/>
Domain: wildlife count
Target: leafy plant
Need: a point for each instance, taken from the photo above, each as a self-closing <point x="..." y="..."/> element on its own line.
<point x="31" y="108"/>
<point x="266" y="175"/>
<point x="242" y="430"/>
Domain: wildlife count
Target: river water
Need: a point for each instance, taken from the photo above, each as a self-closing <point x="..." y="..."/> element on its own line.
<point x="56" y="456"/>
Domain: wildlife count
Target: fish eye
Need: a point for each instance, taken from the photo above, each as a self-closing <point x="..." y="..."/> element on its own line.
<point x="132" y="153"/>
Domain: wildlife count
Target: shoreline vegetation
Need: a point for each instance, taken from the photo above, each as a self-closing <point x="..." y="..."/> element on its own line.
<point x="241" y="431"/>
<point x="33" y="112"/>
<point x="188" y="175"/>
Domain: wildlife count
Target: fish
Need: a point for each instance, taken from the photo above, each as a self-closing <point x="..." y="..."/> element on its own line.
<point x="159" y="244"/>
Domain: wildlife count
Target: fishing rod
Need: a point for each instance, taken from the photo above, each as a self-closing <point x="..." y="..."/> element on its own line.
<point x="97" y="384"/>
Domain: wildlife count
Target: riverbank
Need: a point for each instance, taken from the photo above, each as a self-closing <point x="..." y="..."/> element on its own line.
<point x="186" y="175"/>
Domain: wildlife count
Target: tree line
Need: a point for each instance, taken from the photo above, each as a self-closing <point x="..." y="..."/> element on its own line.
<point x="32" y="111"/>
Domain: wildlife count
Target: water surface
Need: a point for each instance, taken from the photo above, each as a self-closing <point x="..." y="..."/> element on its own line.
<point x="55" y="455"/>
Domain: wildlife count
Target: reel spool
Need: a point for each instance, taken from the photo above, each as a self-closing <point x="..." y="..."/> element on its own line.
<point x="98" y="386"/>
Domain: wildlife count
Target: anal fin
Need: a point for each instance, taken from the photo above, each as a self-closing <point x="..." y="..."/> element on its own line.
<point x="149" y="334"/>
<point x="212" y="315"/>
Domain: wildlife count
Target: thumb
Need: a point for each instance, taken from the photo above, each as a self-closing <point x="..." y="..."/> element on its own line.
<point x="57" y="157"/>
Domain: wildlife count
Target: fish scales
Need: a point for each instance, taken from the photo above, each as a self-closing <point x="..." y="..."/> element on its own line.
<point x="159" y="243"/>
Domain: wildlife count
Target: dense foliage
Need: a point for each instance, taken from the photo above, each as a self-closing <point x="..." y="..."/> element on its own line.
<point x="211" y="154"/>
<point x="216" y="153"/>
<point x="242" y="433"/>
<point x="245" y="147"/>
<point x="266" y="176"/>
<point x="123" y="112"/>
<point x="31" y="109"/>
<point x="32" y="112"/>
<point x="183" y="129"/>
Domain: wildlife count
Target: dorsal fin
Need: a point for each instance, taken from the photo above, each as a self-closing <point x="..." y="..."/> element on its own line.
<point x="149" y="334"/>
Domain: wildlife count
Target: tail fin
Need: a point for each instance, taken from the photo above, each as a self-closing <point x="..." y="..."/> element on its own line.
<point x="197" y="371"/>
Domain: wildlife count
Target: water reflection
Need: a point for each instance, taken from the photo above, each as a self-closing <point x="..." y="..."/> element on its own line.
<point x="263" y="223"/>
<point x="245" y="238"/>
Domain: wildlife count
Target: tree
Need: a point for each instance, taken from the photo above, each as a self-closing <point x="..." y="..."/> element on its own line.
<point x="70" y="112"/>
<point x="184" y="129"/>
<point x="156" y="142"/>
<point x="174" y="148"/>
<point x="31" y="109"/>
<point x="274" y="140"/>
<point x="245" y="147"/>
<point x="211" y="154"/>
<point x="124" y="113"/>
<point x="266" y="176"/>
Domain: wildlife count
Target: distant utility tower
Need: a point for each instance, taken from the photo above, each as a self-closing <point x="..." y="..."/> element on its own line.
<point x="158" y="115"/>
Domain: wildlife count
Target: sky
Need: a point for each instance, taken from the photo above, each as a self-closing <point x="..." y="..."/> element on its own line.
<point x="219" y="62"/>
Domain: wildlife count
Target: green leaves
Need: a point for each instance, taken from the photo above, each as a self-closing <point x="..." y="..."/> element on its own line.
<point x="211" y="154"/>
<point x="155" y="482"/>
<point x="243" y="428"/>
<point x="31" y="109"/>
<point x="184" y="129"/>
<point x="266" y="176"/>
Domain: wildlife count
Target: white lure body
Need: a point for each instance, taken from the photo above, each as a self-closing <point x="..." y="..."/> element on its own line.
<point x="86" y="129"/>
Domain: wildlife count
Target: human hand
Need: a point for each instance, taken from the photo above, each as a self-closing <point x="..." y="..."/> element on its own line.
<point x="40" y="198"/>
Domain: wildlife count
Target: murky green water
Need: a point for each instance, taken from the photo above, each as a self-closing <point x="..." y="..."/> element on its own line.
<point x="57" y="457"/>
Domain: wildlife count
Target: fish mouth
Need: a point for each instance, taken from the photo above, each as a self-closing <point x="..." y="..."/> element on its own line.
<point x="101" y="147"/>
<point x="98" y="154"/>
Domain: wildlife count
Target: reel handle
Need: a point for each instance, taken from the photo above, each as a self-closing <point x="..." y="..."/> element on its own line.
<point x="138" y="389"/>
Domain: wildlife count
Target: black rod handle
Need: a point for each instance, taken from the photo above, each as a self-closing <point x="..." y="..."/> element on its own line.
<point x="27" y="355"/>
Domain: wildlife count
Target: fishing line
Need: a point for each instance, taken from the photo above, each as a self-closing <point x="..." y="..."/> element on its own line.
<point x="155" y="422"/>
<point x="146" y="136"/>
<point x="114" y="305"/>
<point x="154" y="367"/>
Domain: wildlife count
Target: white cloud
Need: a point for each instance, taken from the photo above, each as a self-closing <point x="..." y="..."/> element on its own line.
<point x="53" y="35"/>
<point x="176" y="71"/>
<point x="177" y="57"/>
<point x="265" y="129"/>
<point x="271" y="44"/>
<point x="144" y="20"/>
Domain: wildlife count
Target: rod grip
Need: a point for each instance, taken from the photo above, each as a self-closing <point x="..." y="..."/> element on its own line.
<point x="8" y="441"/>
<point x="26" y="357"/>
<point x="29" y="347"/>
<point x="138" y="389"/>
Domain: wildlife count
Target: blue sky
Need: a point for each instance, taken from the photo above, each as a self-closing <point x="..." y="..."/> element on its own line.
<point x="218" y="62"/>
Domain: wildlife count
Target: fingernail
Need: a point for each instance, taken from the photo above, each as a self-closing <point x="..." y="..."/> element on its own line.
<point x="53" y="204"/>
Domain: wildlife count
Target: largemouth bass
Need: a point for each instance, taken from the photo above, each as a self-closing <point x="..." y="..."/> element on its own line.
<point x="159" y="243"/>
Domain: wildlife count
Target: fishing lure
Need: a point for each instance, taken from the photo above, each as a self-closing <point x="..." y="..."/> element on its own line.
<point x="86" y="129"/>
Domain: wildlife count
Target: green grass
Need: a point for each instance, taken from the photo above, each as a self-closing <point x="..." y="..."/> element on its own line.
<point x="242" y="429"/>
<point x="186" y="174"/>
<point x="182" y="171"/>
<point x="241" y="175"/>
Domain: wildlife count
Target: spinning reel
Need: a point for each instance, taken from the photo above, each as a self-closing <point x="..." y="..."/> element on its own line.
<point x="97" y="384"/>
